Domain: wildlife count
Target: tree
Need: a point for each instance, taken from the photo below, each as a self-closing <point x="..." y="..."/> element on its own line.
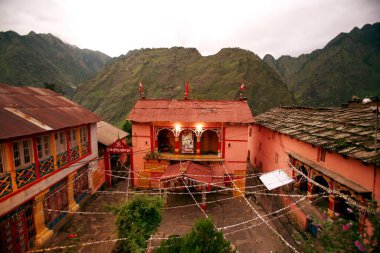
<point x="136" y="221"/>
<point x="127" y="127"/>
<point x="203" y="238"/>
<point x="54" y="87"/>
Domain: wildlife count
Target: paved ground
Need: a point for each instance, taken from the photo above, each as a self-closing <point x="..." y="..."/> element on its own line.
<point x="175" y="222"/>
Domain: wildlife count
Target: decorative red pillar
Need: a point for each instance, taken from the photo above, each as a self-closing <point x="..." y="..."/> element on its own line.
<point x="151" y="139"/>
<point x="107" y="166"/>
<point x="132" y="169"/>
<point x="176" y="150"/>
<point x="309" y="184"/>
<point x="330" y="211"/>
<point x="89" y="139"/>
<point x="224" y="143"/>
<point x="156" y="143"/>
<point x="35" y="155"/>
<point x="198" y="145"/>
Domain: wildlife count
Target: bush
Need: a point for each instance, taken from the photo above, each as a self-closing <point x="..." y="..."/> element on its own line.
<point x="136" y="221"/>
<point x="203" y="238"/>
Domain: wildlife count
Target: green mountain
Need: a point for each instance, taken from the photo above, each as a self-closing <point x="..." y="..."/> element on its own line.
<point x="163" y="72"/>
<point x="34" y="59"/>
<point x="348" y="65"/>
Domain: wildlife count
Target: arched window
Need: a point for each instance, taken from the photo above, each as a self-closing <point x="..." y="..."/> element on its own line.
<point x="322" y="202"/>
<point x="302" y="180"/>
<point x="166" y="142"/>
<point x="209" y="142"/>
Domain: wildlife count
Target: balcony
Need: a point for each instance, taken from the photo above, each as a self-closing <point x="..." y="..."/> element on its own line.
<point x="5" y="184"/>
<point x="183" y="157"/>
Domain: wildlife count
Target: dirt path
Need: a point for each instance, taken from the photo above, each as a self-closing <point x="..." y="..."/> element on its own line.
<point x="178" y="221"/>
<point x="91" y="227"/>
<point x="224" y="213"/>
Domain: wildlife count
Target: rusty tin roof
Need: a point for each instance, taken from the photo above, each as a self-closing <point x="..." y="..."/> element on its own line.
<point x="29" y="110"/>
<point x="108" y="134"/>
<point x="344" y="130"/>
<point x="154" y="110"/>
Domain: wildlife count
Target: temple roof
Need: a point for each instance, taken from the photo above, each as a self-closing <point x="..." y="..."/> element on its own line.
<point x="344" y="130"/>
<point x="29" y="110"/>
<point x="227" y="111"/>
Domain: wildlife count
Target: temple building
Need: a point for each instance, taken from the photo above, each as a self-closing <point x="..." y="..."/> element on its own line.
<point x="325" y="150"/>
<point x="48" y="156"/>
<point x="201" y="141"/>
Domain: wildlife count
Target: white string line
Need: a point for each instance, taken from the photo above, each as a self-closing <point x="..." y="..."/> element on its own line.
<point x="268" y="214"/>
<point x="328" y="190"/>
<point x="277" y="217"/>
<point x="165" y="208"/>
<point x="257" y="213"/>
<point x="349" y="200"/>
<point x="76" y="245"/>
<point x="191" y="194"/>
<point x="182" y="206"/>
<point x="245" y="222"/>
<point x="197" y="175"/>
<point x="85" y="244"/>
<point x="188" y="190"/>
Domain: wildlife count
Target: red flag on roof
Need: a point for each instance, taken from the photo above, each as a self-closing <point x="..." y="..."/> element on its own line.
<point x="187" y="89"/>
<point x="242" y="87"/>
<point x="140" y="88"/>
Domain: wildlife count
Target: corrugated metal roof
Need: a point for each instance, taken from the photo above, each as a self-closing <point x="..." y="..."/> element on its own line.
<point x="108" y="134"/>
<point x="344" y="130"/>
<point x="42" y="105"/>
<point x="152" y="110"/>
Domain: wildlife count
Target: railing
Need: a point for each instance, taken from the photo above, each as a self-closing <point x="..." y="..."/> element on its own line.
<point x="85" y="148"/>
<point x="5" y="184"/>
<point x="74" y="153"/>
<point x="46" y="166"/>
<point x="62" y="159"/>
<point x="25" y="176"/>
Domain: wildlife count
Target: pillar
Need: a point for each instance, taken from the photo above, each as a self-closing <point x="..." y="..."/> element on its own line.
<point x="310" y="185"/>
<point x="35" y="156"/>
<point x="10" y="164"/>
<point x="156" y="144"/>
<point x="73" y="206"/>
<point x="107" y="167"/>
<point x="198" y="145"/>
<point x="176" y="150"/>
<point x="53" y="150"/>
<point x="79" y="143"/>
<point x="43" y="234"/>
<point x="330" y="210"/>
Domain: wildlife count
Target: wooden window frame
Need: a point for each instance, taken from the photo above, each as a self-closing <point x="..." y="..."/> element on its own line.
<point x="43" y="146"/>
<point x="60" y="142"/>
<point x="24" y="155"/>
<point x="83" y="135"/>
<point x="322" y="155"/>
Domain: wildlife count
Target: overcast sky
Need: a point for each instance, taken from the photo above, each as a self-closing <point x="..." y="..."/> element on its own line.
<point x="282" y="27"/>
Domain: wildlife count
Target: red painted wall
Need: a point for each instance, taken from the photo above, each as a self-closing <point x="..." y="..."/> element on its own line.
<point x="272" y="143"/>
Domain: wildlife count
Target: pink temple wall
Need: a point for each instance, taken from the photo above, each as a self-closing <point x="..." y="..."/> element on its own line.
<point x="236" y="154"/>
<point x="281" y="144"/>
<point x="141" y="144"/>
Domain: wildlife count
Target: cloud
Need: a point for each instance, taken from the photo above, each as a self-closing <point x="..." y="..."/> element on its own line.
<point x="114" y="26"/>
